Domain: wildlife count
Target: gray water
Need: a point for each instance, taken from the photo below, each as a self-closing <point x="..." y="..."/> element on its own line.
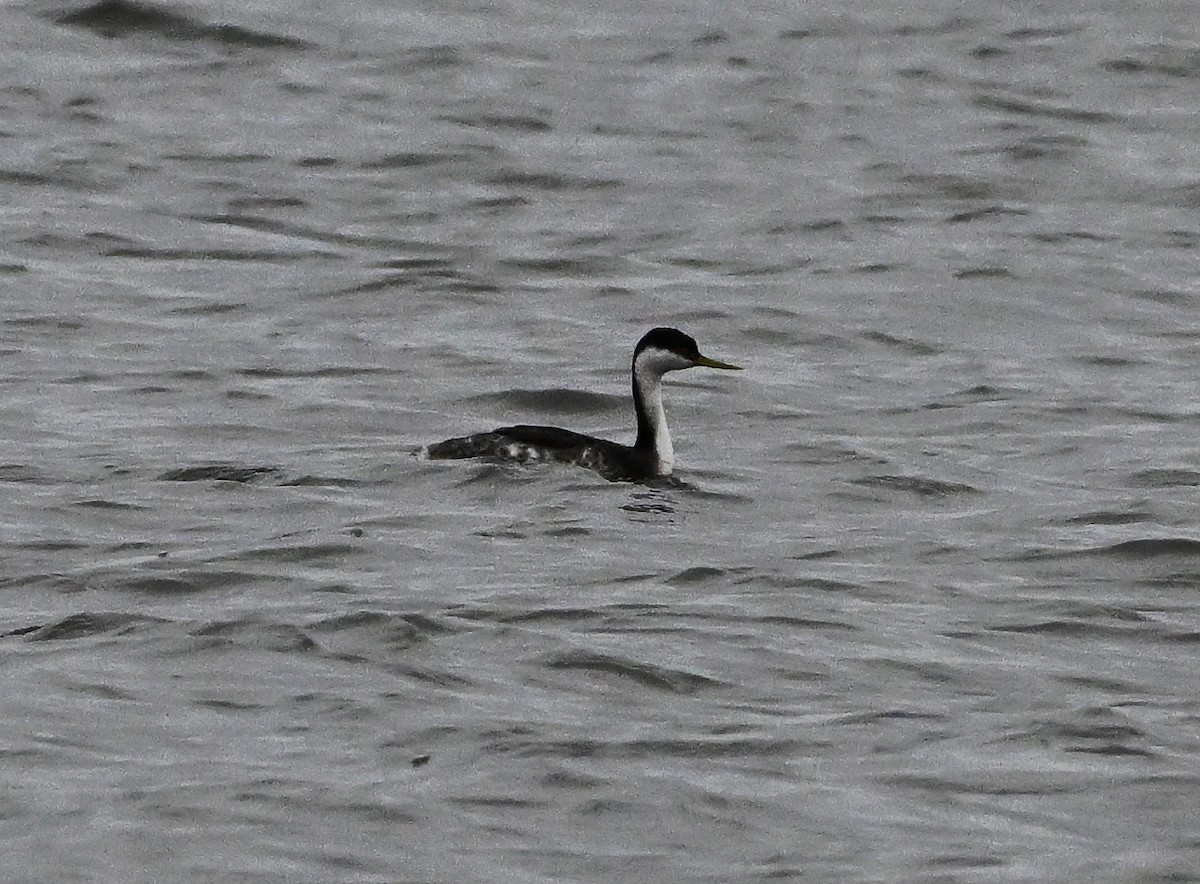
<point x="925" y="604"/>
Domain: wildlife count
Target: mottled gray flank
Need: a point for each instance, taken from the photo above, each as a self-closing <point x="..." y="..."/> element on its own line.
<point x="925" y="606"/>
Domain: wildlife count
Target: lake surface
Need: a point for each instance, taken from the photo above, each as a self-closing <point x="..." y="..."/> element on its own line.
<point x="924" y="605"/>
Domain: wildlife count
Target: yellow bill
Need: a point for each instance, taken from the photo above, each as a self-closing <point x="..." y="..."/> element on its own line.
<point x="712" y="363"/>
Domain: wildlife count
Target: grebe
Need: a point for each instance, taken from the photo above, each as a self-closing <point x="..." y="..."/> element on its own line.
<point x="651" y="456"/>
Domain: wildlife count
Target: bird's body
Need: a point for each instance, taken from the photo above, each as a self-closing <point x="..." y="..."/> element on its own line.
<point x="652" y="455"/>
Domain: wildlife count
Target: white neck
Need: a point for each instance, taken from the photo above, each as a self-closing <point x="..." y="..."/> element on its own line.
<point x="663" y="448"/>
<point x="647" y="380"/>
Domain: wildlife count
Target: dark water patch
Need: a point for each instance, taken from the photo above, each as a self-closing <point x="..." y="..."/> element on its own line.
<point x="1105" y="360"/>
<point x="1041" y="147"/>
<point x="715" y="265"/>
<point x="950" y="186"/>
<point x="254" y="634"/>
<point x="920" y="75"/>
<point x="258" y="203"/>
<point x="125" y="18"/>
<point x="991" y="211"/>
<point x="300" y="232"/>
<point x="565" y="531"/>
<point x="86" y="625"/>
<point x="229" y="158"/>
<point x="296" y="553"/>
<point x="499" y="203"/>
<point x="650" y="506"/>
<point x="1165" y="478"/>
<point x="698" y="748"/>
<point x="267" y="256"/>
<point x="710" y="38"/>
<point x="1077" y="629"/>
<point x="1009" y="105"/>
<point x="916" y="485"/>
<point x="414" y="264"/>
<point x="166" y="584"/>
<point x="1112" y="749"/>
<point x="1095" y="731"/>
<point x="987" y="52"/>
<point x="879" y="219"/>
<point x="969" y="395"/>
<point x="908" y="345"/>
<point x="751" y="269"/>
<point x="1097" y="683"/>
<point x="676" y="681"/>
<point x="825" y="28"/>
<point x="818" y="555"/>
<point x="984" y="273"/>
<point x="952" y="24"/>
<point x="1152" y="548"/>
<point x="315" y="162"/>
<point x="54" y="545"/>
<point x="465" y="285"/>
<point x="23" y="474"/>
<point x="224" y="704"/>
<point x="84" y="107"/>
<point x="771" y="337"/>
<point x="582" y="267"/>
<point x="825" y="225"/>
<point x="1160" y="59"/>
<point x="1057" y="237"/>
<point x="371" y="812"/>
<point x="1133" y="550"/>
<point x="830" y="452"/>
<point x="504" y="122"/>
<point x="102" y="691"/>
<point x="697" y="574"/>
<point x="416" y="159"/>
<point x="246" y="396"/>
<point x="221" y="472"/>
<point x="50" y="323"/>
<point x="1110" y="517"/>
<point x="550" y="181"/>
<point x="1089" y="611"/>
<point x="1170" y="298"/>
<point x="964" y="862"/>
<point x="875" y="267"/>
<point x="944" y="786"/>
<point x="311" y="481"/>
<point x="886" y="715"/>
<point x="379" y="284"/>
<point x="210" y="309"/>
<point x="100" y="503"/>
<point x="805" y="624"/>
<point x="502" y="802"/>
<point x="336" y="372"/>
<point x="935" y="673"/>
<point x="654" y="58"/>
<point x="550" y="615"/>
<point x="553" y="400"/>
<point x="1185" y="195"/>
<point x="1042" y="33"/>
<point x="27" y="179"/>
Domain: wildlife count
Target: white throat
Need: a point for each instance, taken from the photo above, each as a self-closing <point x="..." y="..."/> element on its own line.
<point x="664" y="451"/>
<point x="648" y="370"/>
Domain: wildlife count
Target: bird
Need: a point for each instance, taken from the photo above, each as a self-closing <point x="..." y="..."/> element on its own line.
<point x="651" y="456"/>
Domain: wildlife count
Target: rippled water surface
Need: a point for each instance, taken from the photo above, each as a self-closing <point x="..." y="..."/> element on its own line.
<point x="924" y="605"/>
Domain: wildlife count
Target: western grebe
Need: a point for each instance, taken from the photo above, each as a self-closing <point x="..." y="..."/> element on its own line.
<point x="660" y="350"/>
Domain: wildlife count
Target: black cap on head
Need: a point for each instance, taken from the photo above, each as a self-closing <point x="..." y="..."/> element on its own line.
<point x="669" y="339"/>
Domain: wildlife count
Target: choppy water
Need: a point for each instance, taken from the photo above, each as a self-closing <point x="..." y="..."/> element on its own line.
<point x="927" y="607"/>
